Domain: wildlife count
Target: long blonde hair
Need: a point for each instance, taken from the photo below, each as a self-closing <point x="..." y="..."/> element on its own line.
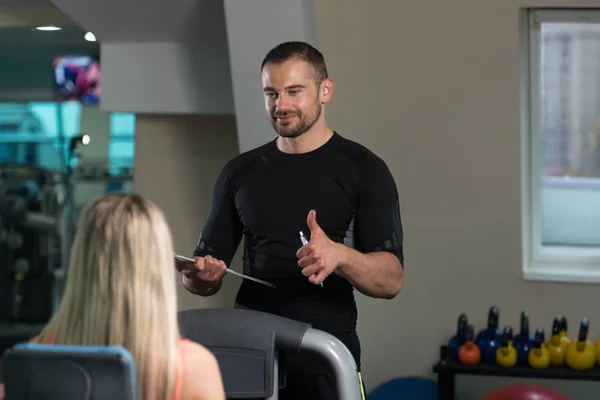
<point x="120" y="290"/>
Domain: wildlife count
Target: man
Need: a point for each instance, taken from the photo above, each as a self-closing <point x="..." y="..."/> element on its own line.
<point x="309" y="179"/>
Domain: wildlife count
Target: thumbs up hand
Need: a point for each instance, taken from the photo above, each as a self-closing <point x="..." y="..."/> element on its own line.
<point x="320" y="256"/>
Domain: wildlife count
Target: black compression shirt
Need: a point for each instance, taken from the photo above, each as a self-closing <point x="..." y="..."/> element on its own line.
<point x="265" y="195"/>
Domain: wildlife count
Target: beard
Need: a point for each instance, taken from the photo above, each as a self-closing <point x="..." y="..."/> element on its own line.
<point x="298" y="126"/>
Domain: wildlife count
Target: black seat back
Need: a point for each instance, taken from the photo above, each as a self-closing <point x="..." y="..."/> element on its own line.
<point x="246" y="343"/>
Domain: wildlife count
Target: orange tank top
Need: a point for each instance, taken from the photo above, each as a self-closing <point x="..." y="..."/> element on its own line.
<point x="179" y="374"/>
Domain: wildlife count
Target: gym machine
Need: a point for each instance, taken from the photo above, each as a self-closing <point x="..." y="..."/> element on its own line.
<point x="32" y="245"/>
<point x="247" y="344"/>
<point x="250" y="347"/>
<point x="37" y="224"/>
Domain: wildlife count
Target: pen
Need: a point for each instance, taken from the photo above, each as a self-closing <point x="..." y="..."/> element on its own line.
<point x="304" y="243"/>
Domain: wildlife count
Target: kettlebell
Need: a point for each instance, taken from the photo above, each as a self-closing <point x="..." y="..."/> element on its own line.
<point x="564" y="334"/>
<point x="598" y="352"/>
<point x="581" y="354"/>
<point x="488" y="339"/>
<point x="539" y="356"/>
<point x="556" y="346"/>
<point x="506" y="354"/>
<point x="469" y="352"/>
<point x="524" y="341"/>
<point x="458" y="340"/>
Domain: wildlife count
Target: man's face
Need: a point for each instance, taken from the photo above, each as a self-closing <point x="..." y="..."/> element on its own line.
<point x="292" y="97"/>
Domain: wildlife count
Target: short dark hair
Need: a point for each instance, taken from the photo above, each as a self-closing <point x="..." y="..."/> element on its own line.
<point x="301" y="51"/>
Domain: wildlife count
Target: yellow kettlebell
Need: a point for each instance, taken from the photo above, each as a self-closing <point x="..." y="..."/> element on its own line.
<point x="506" y="354"/>
<point x="581" y="354"/>
<point x="598" y="352"/>
<point x="556" y="346"/>
<point x="539" y="356"/>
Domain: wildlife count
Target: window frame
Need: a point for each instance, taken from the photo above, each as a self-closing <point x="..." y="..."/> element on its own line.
<point x="545" y="263"/>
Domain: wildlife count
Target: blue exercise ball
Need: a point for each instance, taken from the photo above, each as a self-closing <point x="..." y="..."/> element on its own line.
<point x="406" y="388"/>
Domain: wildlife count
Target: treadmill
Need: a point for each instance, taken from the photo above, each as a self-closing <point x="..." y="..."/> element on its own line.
<point x="250" y="347"/>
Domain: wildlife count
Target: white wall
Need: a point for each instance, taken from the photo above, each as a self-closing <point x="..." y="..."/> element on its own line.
<point x="192" y="150"/>
<point x="181" y="78"/>
<point x="253" y="28"/>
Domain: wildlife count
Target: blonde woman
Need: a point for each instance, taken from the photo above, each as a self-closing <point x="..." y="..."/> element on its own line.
<point x="121" y="291"/>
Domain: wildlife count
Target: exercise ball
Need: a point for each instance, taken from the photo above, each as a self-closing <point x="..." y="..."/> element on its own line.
<point x="406" y="388"/>
<point x="524" y="392"/>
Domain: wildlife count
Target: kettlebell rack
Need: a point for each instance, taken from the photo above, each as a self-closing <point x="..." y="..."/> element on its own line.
<point x="447" y="369"/>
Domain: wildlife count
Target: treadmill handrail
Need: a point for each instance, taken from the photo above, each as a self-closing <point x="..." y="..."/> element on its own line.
<point x="340" y="358"/>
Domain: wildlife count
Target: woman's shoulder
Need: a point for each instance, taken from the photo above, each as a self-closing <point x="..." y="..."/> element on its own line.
<point x="202" y="378"/>
<point x="195" y="352"/>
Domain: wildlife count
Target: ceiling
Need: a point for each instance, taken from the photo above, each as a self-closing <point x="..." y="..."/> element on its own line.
<point x="32" y="14"/>
<point x="18" y="19"/>
<point x="116" y="20"/>
<point x="25" y="2"/>
<point x="147" y="20"/>
<point x="29" y="37"/>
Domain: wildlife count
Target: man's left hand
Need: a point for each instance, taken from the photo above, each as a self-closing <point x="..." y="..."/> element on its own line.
<point x="320" y="256"/>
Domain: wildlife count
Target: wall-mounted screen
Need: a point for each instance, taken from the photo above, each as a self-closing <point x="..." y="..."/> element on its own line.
<point x="77" y="78"/>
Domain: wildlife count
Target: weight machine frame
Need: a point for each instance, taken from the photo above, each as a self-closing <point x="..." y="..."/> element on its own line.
<point x="51" y="222"/>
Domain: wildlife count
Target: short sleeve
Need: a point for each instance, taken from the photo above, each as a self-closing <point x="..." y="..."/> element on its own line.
<point x="222" y="232"/>
<point x="378" y="225"/>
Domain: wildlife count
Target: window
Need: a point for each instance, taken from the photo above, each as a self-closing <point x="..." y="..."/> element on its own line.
<point x="31" y="132"/>
<point x="562" y="146"/>
<point x="28" y="134"/>
<point x="122" y="134"/>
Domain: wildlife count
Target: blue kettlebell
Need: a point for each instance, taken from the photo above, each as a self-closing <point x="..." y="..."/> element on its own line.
<point x="458" y="340"/>
<point x="489" y="338"/>
<point x="524" y="340"/>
